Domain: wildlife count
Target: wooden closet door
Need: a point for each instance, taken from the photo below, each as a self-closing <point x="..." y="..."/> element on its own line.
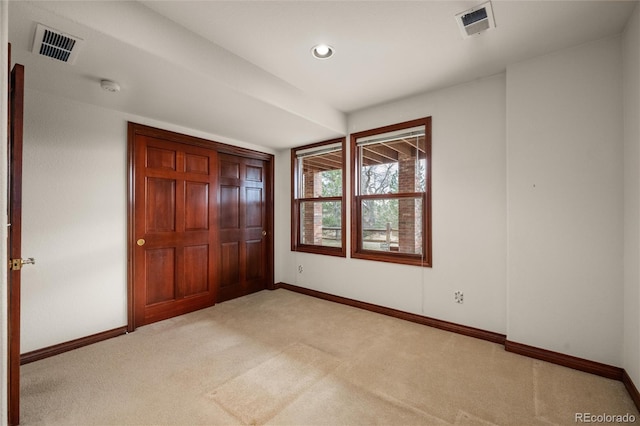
<point x="175" y="229"/>
<point x="243" y="226"/>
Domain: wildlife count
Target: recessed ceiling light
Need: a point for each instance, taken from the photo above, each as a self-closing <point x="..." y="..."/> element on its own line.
<point x="322" y="51"/>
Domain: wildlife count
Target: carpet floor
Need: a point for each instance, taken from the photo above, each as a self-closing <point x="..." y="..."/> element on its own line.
<point x="282" y="358"/>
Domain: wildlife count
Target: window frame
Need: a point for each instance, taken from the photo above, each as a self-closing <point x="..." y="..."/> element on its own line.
<point x="296" y="244"/>
<point x="357" y="251"/>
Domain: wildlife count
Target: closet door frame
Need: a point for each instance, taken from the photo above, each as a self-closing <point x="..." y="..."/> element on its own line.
<point x="135" y="130"/>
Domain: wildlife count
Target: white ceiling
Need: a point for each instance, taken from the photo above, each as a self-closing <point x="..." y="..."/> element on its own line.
<point x="243" y="69"/>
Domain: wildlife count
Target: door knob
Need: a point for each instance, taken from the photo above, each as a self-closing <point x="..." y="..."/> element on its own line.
<point x="16" y="264"/>
<point x="141" y="242"/>
<point x="264" y="233"/>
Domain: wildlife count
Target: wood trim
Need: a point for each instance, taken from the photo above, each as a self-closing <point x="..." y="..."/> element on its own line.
<point x="569" y="361"/>
<point x="631" y="388"/>
<point x="431" y="322"/>
<point x="270" y="200"/>
<point x="15" y="132"/>
<point x="356" y="250"/>
<point x="294" y="205"/>
<point x="71" y="345"/>
<point x="141" y="129"/>
<point x="131" y="223"/>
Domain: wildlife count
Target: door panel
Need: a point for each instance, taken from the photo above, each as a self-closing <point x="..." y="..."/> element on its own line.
<point x="254" y="173"/>
<point x="229" y="168"/>
<point x="174" y="230"/>
<point x="229" y="208"/>
<point x="197" y="206"/>
<point x="243" y="220"/>
<point x="158" y="158"/>
<point x="161" y="205"/>
<point x="197" y="164"/>
<point x="254" y="212"/>
<point x="254" y="264"/>
<point x="161" y="273"/>
<point x="229" y="265"/>
<point x="196" y="270"/>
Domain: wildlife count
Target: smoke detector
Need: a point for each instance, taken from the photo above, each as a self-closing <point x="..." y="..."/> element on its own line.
<point x="476" y="20"/>
<point x="109" y="86"/>
<point x="56" y="44"/>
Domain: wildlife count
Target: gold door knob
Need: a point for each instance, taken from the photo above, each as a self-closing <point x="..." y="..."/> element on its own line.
<point x="141" y="242"/>
<point x="264" y="233"/>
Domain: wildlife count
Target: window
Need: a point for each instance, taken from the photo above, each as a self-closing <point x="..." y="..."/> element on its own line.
<point x="318" y="197"/>
<point x="391" y="193"/>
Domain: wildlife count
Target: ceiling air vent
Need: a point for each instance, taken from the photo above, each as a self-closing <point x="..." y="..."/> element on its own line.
<point x="56" y="44"/>
<point x="476" y="20"/>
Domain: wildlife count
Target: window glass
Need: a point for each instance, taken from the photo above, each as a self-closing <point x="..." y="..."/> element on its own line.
<point x="317" y="179"/>
<point x="390" y="169"/>
<point x="393" y="166"/>
<point x="321" y="223"/>
<point x="383" y="228"/>
<point x="318" y="198"/>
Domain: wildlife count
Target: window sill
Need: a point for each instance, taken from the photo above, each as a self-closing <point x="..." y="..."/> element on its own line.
<point x="404" y="259"/>
<point x="328" y="251"/>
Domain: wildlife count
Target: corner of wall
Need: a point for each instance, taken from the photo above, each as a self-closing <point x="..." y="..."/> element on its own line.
<point x="631" y="105"/>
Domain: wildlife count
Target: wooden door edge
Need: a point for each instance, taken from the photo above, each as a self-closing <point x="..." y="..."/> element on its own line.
<point x="131" y="134"/>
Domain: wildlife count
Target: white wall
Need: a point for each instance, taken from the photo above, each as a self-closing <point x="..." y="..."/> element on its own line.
<point x="631" y="91"/>
<point x="74" y="219"/>
<point x="564" y="144"/>
<point x="284" y="268"/>
<point x="469" y="219"/>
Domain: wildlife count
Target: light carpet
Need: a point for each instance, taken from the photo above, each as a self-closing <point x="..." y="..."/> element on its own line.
<point x="282" y="358"/>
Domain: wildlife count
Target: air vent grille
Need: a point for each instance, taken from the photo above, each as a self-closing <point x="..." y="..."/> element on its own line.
<point x="56" y="44"/>
<point x="473" y="17"/>
<point x="476" y="20"/>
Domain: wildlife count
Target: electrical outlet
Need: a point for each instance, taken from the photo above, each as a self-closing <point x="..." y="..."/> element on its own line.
<point x="458" y="297"/>
<point x="300" y="269"/>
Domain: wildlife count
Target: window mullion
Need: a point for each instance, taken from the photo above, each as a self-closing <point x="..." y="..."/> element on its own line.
<point x="318" y="199"/>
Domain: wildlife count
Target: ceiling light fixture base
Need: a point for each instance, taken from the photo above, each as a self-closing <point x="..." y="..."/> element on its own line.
<point x="322" y="51"/>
